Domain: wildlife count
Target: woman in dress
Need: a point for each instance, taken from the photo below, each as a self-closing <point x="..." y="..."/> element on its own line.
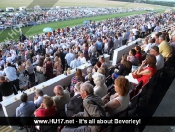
<point x="85" y="51"/>
<point x="49" y="68"/>
<point x="22" y="76"/>
<point x="57" y="65"/>
<point x="145" y="71"/>
<point x="40" y="71"/>
<point x="30" y="71"/>
<point x="77" y="78"/>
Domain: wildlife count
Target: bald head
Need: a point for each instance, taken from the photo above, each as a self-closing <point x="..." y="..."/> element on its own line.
<point x="58" y="90"/>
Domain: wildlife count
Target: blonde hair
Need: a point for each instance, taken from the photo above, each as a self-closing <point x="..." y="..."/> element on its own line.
<point x="48" y="101"/>
<point x="101" y="70"/>
<point x="28" y="63"/>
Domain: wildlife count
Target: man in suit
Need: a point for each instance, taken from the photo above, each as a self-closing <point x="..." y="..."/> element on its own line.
<point x="6" y="88"/>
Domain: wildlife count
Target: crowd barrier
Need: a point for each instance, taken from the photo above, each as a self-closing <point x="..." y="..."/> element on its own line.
<point x="117" y="55"/>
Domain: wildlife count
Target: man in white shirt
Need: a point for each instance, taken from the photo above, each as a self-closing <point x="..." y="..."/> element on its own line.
<point x="75" y="63"/>
<point x="36" y="48"/>
<point x="9" y="58"/>
<point x="134" y="30"/>
<point x="159" y="58"/>
<point x="38" y="99"/>
<point x="13" y="54"/>
<point x="10" y="72"/>
<point x="69" y="57"/>
<point x="149" y="27"/>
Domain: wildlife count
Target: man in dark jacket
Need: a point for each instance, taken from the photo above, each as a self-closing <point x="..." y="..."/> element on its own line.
<point x="93" y="107"/>
<point x="6" y="88"/>
<point x="75" y="104"/>
<point x="110" y="44"/>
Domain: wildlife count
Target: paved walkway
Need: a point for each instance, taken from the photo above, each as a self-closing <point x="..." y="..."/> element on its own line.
<point x="166" y="109"/>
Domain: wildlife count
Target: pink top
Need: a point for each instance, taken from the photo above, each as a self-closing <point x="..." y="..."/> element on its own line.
<point x="139" y="56"/>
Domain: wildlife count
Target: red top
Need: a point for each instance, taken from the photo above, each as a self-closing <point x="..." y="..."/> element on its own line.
<point x="46" y="112"/>
<point x="145" y="78"/>
<point x="139" y="56"/>
<point x="49" y="70"/>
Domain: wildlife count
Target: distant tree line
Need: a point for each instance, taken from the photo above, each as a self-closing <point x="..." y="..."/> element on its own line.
<point x="171" y="4"/>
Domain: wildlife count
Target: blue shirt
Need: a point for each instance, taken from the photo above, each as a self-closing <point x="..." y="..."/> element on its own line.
<point x="25" y="109"/>
<point x="99" y="45"/>
<point x="38" y="101"/>
<point x="75" y="63"/>
<point x="69" y="57"/>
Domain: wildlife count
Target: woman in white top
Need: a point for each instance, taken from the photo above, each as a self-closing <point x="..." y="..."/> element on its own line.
<point x="120" y="100"/>
<point x="100" y="88"/>
<point x="82" y="59"/>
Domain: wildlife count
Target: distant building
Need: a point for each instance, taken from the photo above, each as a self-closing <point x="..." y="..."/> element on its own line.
<point x="22" y="8"/>
<point x="10" y="9"/>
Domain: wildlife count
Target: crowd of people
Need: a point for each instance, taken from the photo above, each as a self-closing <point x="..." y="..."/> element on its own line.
<point x="39" y="16"/>
<point x="49" y="55"/>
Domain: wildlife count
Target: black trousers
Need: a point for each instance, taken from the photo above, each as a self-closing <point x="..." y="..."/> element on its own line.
<point x="124" y="41"/>
<point x="16" y="86"/>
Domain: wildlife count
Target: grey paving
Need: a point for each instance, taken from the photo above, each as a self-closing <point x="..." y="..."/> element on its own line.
<point x="166" y="109"/>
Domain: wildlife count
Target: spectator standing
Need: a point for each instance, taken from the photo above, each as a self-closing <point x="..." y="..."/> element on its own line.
<point x="6" y="88"/>
<point x="11" y="74"/>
